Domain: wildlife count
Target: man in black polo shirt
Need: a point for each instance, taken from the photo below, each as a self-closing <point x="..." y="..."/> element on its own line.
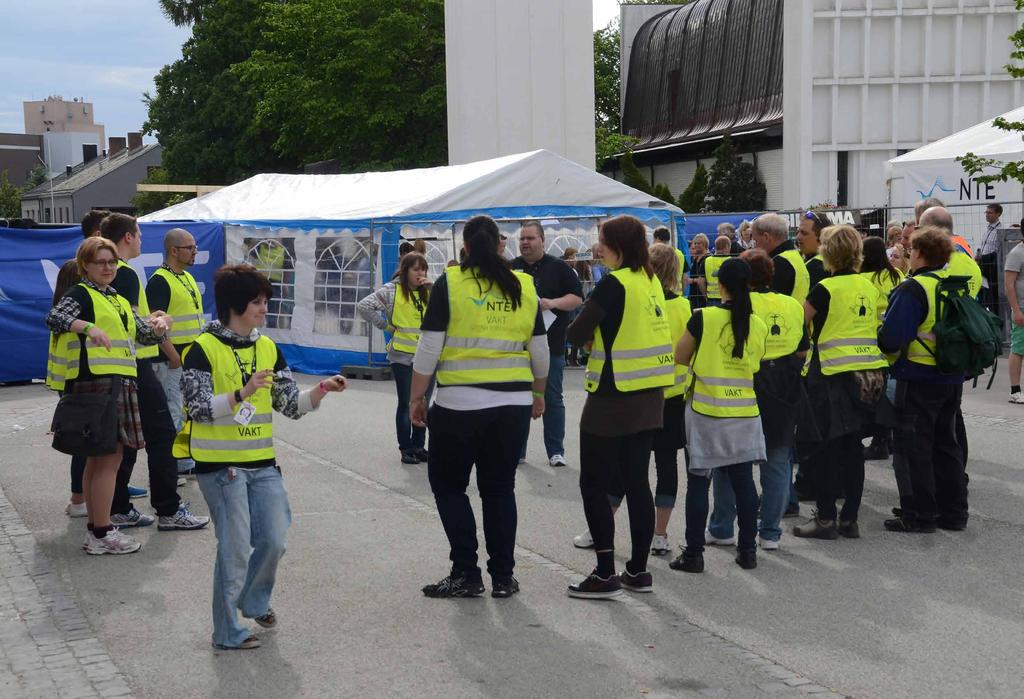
<point x="770" y="233"/>
<point x="560" y="292"/>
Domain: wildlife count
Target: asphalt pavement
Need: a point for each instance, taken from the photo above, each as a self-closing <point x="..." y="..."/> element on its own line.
<point x="888" y="615"/>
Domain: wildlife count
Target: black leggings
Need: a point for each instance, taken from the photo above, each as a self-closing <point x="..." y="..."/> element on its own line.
<point x="626" y="459"/>
<point x="666" y="487"/>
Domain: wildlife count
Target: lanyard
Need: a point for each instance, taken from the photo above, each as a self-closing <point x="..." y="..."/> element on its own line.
<point x="117" y="309"/>
<point x="188" y="287"/>
<point x="418" y="304"/>
<point x="241" y="366"/>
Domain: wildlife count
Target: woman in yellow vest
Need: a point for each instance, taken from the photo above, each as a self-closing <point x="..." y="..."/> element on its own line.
<point x="96" y="334"/>
<point x="724" y="347"/>
<point x="484" y="335"/>
<point x="233" y="380"/>
<point x="398" y="308"/>
<point x="630" y="365"/>
<point x="780" y="398"/>
<point x="845" y="384"/>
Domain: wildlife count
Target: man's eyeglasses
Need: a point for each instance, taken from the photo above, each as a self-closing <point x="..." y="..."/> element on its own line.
<point x="185" y="247"/>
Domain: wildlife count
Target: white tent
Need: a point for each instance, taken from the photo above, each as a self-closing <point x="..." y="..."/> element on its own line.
<point x="325" y="241"/>
<point x="932" y="170"/>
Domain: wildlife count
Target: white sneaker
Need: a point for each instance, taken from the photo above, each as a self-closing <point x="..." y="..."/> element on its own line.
<point x="522" y="460"/>
<point x="76" y="509"/>
<point x="182" y="519"/>
<point x="767" y="544"/>
<point x="584" y="540"/>
<point x="711" y="540"/>
<point x="660" y="545"/>
<point x="557" y="460"/>
<point x="1017" y="397"/>
<point x="133" y="518"/>
<point x="114" y="542"/>
<point x="181" y="481"/>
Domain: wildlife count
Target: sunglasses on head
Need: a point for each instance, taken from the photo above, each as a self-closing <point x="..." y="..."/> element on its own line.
<point x="811" y="215"/>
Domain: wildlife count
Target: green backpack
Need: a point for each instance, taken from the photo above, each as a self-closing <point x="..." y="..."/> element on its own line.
<point x="968" y="337"/>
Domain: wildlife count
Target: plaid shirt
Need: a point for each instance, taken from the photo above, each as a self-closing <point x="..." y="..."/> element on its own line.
<point x="68" y="310"/>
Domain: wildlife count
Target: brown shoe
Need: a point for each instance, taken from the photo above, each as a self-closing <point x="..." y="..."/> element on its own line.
<point x="817" y="529"/>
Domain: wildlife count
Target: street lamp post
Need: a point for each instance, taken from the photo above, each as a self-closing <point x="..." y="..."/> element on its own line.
<point x="49" y="170"/>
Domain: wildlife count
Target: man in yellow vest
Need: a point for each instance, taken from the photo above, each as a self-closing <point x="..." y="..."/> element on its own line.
<point x="663" y="235"/>
<point x="808" y="239"/>
<point x="157" y="426"/>
<point x="711" y="266"/>
<point x="174" y="291"/>
<point x="770" y="232"/>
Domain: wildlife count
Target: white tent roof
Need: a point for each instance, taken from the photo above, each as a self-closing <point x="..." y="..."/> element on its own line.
<point x="984" y="139"/>
<point x="539" y="178"/>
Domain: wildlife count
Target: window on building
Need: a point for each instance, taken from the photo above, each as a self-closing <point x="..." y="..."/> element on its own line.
<point x="46" y="215"/>
<point x="843" y="178"/>
<point x="275" y="257"/>
<point x="344" y="275"/>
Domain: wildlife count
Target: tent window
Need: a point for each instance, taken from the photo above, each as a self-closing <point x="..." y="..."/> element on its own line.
<point x="344" y="275"/>
<point x="276" y="258"/>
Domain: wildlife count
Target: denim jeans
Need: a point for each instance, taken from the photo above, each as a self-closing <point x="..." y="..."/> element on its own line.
<point x="170" y="379"/>
<point x="775" y="485"/>
<point x="741" y="477"/>
<point x="409" y="437"/>
<point x="554" y="410"/>
<point x="250" y="513"/>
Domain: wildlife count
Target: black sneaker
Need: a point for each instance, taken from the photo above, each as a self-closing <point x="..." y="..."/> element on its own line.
<point x="952" y="525"/>
<point x="504" y="588"/>
<point x="455" y="585"/>
<point x="688" y="562"/>
<point x="595" y="587"/>
<point x="878" y="450"/>
<point x="640" y="582"/>
<point x="747" y="560"/>
<point x="905" y="526"/>
<point x="849" y="530"/>
<point x="421" y="454"/>
<point x="409" y="456"/>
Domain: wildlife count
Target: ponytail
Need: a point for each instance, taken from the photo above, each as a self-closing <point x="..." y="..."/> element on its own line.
<point x="480" y="238"/>
<point x="734" y="276"/>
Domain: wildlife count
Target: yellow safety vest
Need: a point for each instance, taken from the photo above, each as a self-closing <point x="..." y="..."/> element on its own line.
<point x="883" y="282"/>
<point x="681" y="259"/>
<point x="63" y="360"/>
<point x="186" y="306"/>
<point x="270" y="260"/>
<point x="406" y="318"/>
<point x="642" y="353"/>
<point x="848" y="341"/>
<point x="963" y="265"/>
<point x="783" y="317"/>
<point x="113" y="314"/>
<point x="723" y="386"/>
<point x="679" y="313"/>
<point x="224" y="440"/>
<point x="486" y="338"/>
<point x="711" y="266"/>
<point x="149" y="351"/>
<point x="922" y="350"/>
<point x="802" y="279"/>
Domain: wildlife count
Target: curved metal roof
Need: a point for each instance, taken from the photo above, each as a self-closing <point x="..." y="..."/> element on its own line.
<point x="704" y="69"/>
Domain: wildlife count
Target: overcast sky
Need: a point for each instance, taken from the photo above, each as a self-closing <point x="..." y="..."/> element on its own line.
<point x="106" y="51"/>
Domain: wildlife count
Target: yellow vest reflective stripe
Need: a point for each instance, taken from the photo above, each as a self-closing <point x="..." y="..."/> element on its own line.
<point x="63" y="360"/>
<point x="962" y="265"/>
<point x="149" y="351"/>
<point x="119" y="360"/>
<point x="848" y="341"/>
<point x="922" y="349"/>
<point x="711" y="265"/>
<point x="642" y="353"/>
<point x="486" y="338"/>
<point x="681" y="259"/>
<point x="224" y="440"/>
<point x="723" y="386"/>
<point x="406" y="317"/>
<point x="185" y="308"/>
<point x="802" y="278"/>
<point x="679" y="313"/>
<point x="783" y="317"/>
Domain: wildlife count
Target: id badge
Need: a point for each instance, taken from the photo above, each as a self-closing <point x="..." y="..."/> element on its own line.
<point x="245" y="412"/>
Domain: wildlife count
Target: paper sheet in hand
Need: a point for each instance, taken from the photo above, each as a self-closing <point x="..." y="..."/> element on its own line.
<point x="548" y="317"/>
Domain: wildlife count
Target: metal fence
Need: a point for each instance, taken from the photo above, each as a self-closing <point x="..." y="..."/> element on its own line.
<point x="968" y="219"/>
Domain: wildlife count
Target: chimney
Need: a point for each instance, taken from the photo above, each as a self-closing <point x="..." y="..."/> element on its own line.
<point x="67" y="170"/>
<point x="89" y="152"/>
<point x="134" y="140"/>
<point x="116" y="145"/>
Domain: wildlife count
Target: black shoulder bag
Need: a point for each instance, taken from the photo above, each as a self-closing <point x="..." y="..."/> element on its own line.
<point x="86" y="424"/>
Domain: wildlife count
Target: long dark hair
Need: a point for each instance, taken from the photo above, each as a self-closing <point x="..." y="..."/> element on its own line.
<point x="480" y="239"/>
<point x="734" y="275"/>
<point x="408" y="262"/>
<point x="628" y="237"/>
<point x="876" y="260"/>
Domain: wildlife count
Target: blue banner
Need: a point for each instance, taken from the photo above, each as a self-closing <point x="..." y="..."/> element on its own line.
<point x="708" y="224"/>
<point x="29" y="263"/>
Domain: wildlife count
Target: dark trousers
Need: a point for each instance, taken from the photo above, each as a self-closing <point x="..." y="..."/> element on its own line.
<point x="666" y="484"/>
<point x="741" y="477"/>
<point x="77" y="471"/>
<point x="409" y="436"/>
<point x="838" y="469"/>
<point x="491" y="439"/>
<point x="989" y="297"/>
<point x="927" y="416"/>
<point x="625" y="460"/>
<point x="158" y="429"/>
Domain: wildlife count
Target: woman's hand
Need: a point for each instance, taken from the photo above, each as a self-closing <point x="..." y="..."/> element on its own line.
<point x="161" y="326"/>
<point x="335" y="384"/>
<point x="418" y="411"/>
<point x="538" y="406"/>
<point x="168" y="320"/>
<point x="261" y="379"/>
<point x="99" y="337"/>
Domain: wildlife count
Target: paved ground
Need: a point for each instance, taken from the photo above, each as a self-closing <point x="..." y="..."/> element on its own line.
<point x="885" y="616"/>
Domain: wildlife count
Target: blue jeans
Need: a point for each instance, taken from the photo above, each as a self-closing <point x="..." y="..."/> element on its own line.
<point x="250" y="513"/>
<point x="776" y="477"/>
<point x="409" y="437"/>
<point x="170" y="379"/>
<point x="554" y="410"/>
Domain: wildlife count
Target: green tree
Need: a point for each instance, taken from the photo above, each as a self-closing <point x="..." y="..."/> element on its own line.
<point x="734" y="185"/>
<point x="998" y="170"/>
<point x="36" y="178"/>
<point x="661" y="191"/>
<point x="10" y="198"/>
<point x="360" y="81"/>
<point x="609" y="141"/>
<point x="632" y="176"/>
<point x="148" y="202"/>
<point x="692" y="198"/>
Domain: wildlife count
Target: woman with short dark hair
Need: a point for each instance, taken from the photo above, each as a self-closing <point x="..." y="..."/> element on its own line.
<point x="233" y="380"/>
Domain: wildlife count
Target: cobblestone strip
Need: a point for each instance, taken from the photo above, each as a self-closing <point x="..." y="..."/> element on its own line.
<point x="993" y="422"/>
<point x="778" y="677"/>
<point x="47" y="648"/>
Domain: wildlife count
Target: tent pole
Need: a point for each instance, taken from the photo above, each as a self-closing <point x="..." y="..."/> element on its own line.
<point x="373" y="285"/>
